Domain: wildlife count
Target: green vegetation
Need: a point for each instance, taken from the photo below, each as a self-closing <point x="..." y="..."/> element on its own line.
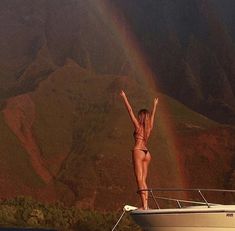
<point x="26" y="212"/>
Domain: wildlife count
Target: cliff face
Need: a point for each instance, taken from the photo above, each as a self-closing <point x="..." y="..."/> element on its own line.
<point x="188" y="46"/>
<point x="39" y="35"/>
<point x="191" y="51"/>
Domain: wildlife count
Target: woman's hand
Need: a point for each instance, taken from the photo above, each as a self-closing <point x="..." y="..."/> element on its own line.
<point x="122" y="93"/>
<point x="155" y="101"/>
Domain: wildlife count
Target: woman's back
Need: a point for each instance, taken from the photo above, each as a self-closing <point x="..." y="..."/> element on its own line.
<point x="141" y="137"/>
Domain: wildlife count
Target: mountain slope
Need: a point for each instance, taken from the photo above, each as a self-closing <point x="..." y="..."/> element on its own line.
<point x="84" y="136"/>
<point x="190" y="50"/>
<point x="185" y="43"/>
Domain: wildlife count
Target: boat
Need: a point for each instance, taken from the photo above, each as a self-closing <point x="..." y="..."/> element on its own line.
<point x="187" y="215"/>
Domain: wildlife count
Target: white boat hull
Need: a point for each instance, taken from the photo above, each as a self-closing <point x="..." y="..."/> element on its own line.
<point x="197" y="218"/>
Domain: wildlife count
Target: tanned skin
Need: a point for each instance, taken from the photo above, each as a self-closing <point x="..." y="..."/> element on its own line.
<point x="143" y="125"/>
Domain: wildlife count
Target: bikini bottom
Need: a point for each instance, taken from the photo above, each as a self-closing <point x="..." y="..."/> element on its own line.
<point x="144" y="150"/>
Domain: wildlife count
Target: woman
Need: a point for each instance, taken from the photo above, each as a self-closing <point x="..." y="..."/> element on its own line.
<point x="141" y="156"/>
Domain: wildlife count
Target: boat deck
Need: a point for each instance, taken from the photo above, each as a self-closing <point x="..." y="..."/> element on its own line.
<point x="187" y="215"/>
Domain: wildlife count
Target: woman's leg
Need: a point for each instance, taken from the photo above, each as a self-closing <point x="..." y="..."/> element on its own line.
<point x="138" y="160"/>
<point x="146" y="162"/>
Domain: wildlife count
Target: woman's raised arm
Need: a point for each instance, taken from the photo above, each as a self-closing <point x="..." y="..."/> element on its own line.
<point x="129" y="109"/>
<point x="155" y="102"/>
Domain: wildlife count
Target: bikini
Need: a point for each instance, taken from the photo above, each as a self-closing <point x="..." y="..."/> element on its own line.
<point x="140" y="137"/>
<point x="144" y="150"/>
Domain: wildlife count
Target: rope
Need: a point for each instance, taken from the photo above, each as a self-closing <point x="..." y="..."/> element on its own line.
<point x="119" y="220"/>
<point x="126" y="208"/>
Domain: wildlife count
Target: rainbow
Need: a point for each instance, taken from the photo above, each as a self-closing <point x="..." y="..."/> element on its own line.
<point x="114" y="20"/>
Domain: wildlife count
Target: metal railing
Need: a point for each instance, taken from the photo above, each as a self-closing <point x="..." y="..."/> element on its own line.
<point x="180" y="202"/>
